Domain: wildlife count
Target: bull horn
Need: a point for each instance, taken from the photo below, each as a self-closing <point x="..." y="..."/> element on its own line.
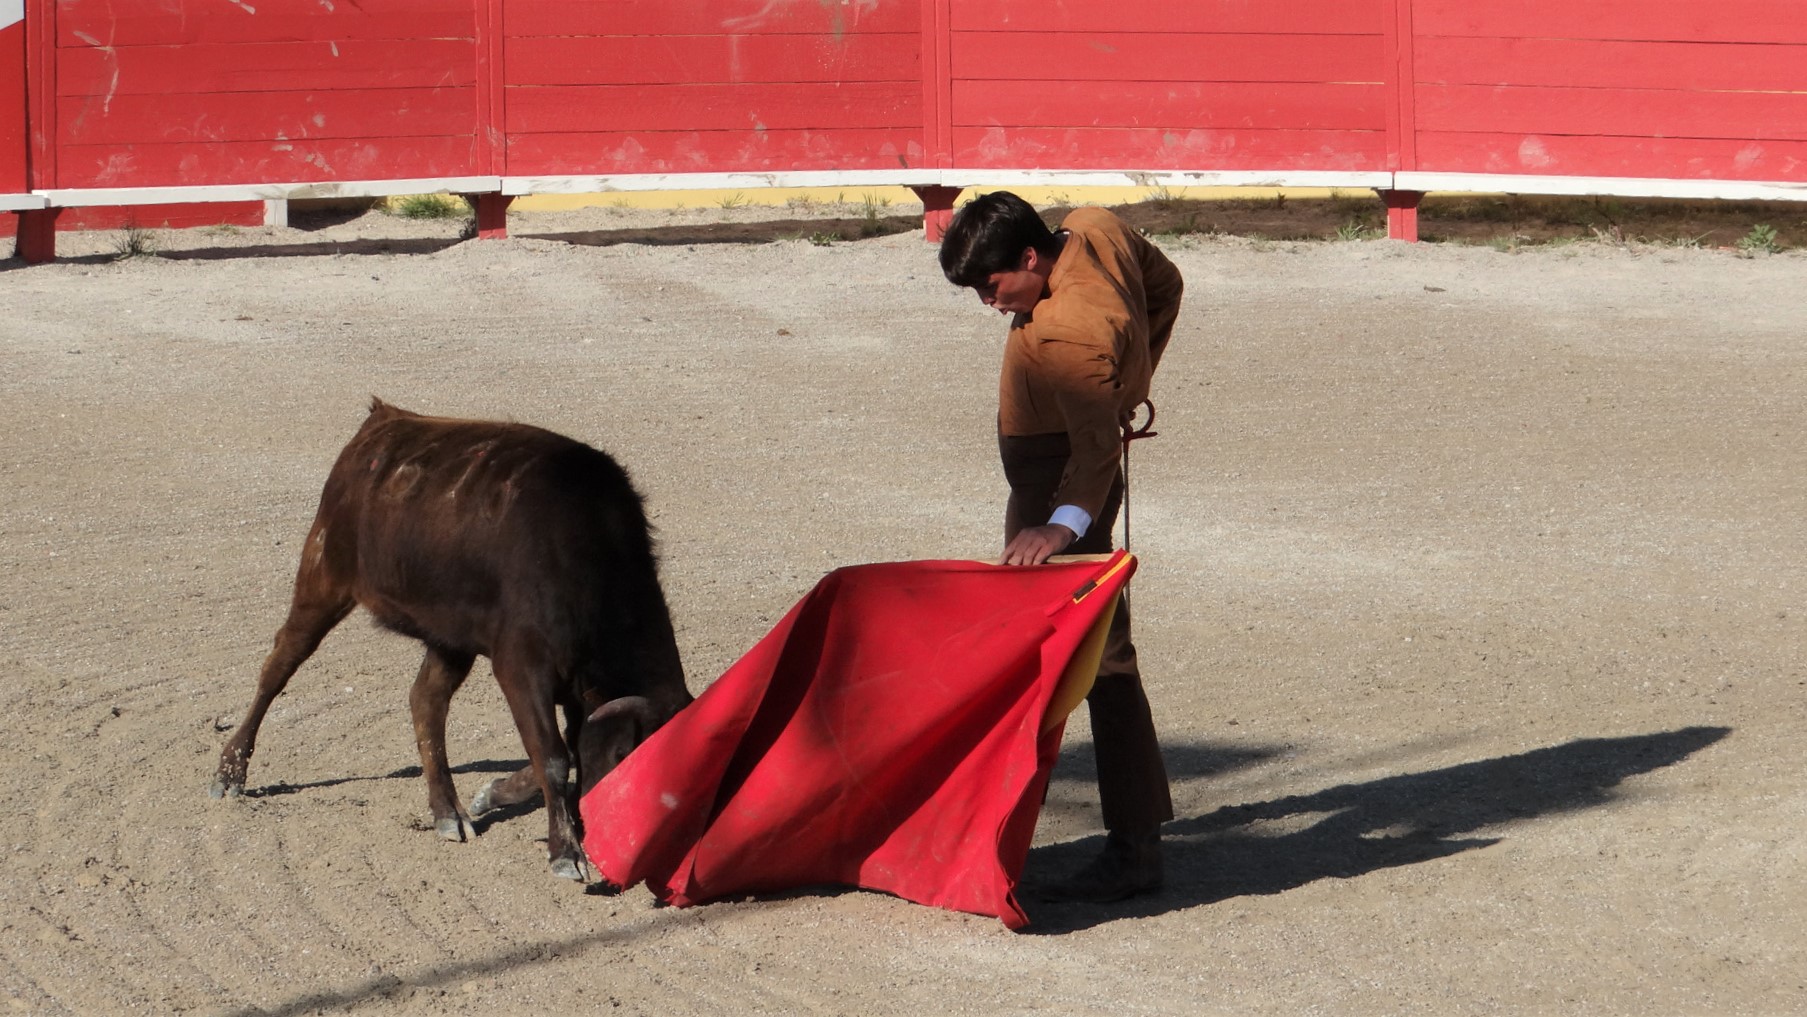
<point x="639" y="708"/>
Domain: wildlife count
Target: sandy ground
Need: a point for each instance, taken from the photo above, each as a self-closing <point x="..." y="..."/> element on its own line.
<point x="1470" y="605"/>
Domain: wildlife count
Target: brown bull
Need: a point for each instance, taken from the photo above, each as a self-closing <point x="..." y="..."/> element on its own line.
<point x="501" y="540"/>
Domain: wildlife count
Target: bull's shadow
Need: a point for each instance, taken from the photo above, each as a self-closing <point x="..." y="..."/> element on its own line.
<point x="283" y="787"/>
<point x="1374" y="825"/>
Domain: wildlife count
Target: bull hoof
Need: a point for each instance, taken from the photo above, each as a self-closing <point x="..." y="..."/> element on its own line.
<point x="455" y="828"/>
<point x="569" y="868"/>
<point x="221" y="789"/>
<point x="481" y="803"/>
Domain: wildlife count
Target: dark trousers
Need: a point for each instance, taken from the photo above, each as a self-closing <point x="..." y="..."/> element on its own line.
<point x="1132" y="779"/>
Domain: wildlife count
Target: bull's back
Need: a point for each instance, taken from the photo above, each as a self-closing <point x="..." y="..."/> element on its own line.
<point x="452" y="528"/>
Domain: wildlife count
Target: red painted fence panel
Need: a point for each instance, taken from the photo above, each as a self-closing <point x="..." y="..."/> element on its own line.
<point x="152" y="94"/>
<point x="1169" y="85"/>
<point x="1675" y="89"/>
<point x="712" y="85"/>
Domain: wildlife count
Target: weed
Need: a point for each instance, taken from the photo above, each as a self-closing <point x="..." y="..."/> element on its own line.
<point x="1355" y="230"/>
<point x="823" y="239"/>
<point x="802" y="201"/>
<point x="1352" y="206"/>
<point x="1189" y="224"/>
<point x="134" y="242"/>
<point x="430" y="206"/>
<point x="1761" y="239"/>
<point x="1162" y="197"/>
<point x="221" y="229"/>
<point x="735" y="200"/>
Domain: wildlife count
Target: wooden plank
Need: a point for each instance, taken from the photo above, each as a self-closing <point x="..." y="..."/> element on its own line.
<point x="40" y="94"/>
<point x="1123" y="56"/>
<point x="168" y="165"/>
<point x="1596" y="64"/>
<point x="1145" y="149"/>
<point x="1613" y="156"/>
<point x="616" y="60"/>
<point x="1400" y="53"/>
<point x="709" y="17"/>
<point x="1170" y="17"/>
<point x="1176" y="104"/>
<point x="184" y="216"/>
<point x="774" y="107"/>
<point x="489" y="149"/>
<point x="1614" y="112"/>
<point x="266" y="67"/>
<point x="713" y="151"/>
<point x="266" y="116"/>
<point x="937" y="103"/>
<point x="158" y="23"/>
<point x="1773" y="21"/>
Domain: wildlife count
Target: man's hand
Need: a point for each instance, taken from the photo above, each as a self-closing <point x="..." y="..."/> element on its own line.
<point x="1034" y="545"/>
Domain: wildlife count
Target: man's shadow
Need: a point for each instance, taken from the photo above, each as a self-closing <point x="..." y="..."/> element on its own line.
<point x="1269" y="847"/>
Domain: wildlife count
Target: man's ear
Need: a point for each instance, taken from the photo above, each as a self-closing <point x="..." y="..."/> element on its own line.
<point x="1030" y="261"/>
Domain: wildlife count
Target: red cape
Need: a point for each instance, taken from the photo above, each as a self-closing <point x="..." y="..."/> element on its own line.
<point x="895" y="731"/>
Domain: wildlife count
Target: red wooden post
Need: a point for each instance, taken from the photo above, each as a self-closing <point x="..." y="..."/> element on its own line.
<point x="1402" y="214"/>
<point x="937" y="210"/>
<point x="36" y="242"/>
<point x="492" y="214"/>
<point x="12" y="98"/>
<point x="937" y="115"/>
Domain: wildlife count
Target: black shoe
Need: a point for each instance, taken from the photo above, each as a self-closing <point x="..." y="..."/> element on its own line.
<point x="1130" y="864"/>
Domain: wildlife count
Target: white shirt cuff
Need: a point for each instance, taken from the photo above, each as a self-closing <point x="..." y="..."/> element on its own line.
<point x="1073" y="518"/>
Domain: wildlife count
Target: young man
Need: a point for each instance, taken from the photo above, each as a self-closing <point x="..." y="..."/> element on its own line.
<point x="1093" y="306"/>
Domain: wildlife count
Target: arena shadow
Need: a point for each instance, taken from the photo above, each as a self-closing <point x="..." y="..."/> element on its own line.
<point x="1365" y="827"/>
<point x="394" y="993"/>
<point x="304" y="249"/>
<point x="766" y="231"/>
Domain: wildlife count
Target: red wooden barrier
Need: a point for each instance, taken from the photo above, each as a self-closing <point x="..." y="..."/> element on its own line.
<point x="1222" y="85"/>
<point x="134" y="101"/>
<point x="1664" y="90"/>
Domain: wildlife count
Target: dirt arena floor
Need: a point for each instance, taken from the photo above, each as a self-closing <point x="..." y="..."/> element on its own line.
<point x="1471" y="606"/>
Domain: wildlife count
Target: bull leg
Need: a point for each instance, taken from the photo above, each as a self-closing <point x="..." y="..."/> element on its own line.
<point x="441" y="673"/>
<point x="523" y="785"/>
<point x="319" y="604"/>
<point x="528" y="688"/>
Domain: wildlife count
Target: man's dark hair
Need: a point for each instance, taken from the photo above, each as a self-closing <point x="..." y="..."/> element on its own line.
<point x="989" y="235"/>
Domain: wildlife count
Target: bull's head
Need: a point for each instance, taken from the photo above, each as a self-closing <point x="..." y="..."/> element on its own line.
<point x="611" y="731"/>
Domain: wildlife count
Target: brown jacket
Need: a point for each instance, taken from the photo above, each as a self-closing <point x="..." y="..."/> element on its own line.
<point x="1082" y="360"/>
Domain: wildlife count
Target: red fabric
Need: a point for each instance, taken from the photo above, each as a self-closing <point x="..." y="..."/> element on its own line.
<point x="888" y="733"/>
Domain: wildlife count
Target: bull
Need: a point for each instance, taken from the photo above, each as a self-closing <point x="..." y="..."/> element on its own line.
<point x="500" y="540"/>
